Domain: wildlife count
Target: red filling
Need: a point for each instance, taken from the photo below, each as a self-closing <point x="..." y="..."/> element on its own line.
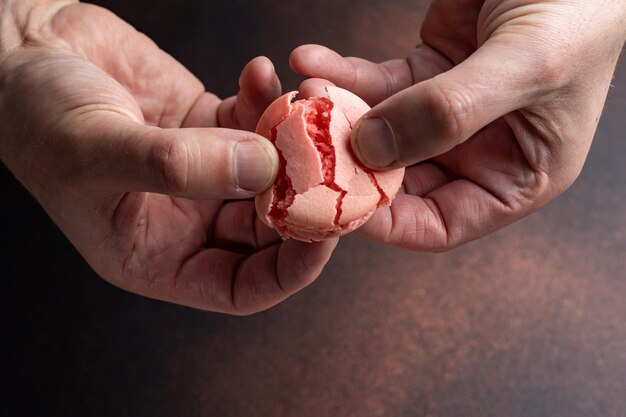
<point x="283" y="189"/>
<point x="317" y="115"/>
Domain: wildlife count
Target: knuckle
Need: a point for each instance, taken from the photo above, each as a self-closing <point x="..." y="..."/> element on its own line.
<point x="553" y="71"/>
<point x="450" y="110"/>
<point x="170" y="163"/>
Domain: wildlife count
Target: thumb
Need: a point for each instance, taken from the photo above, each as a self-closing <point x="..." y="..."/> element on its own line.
<point x="431" y="117"/>
<point x="203" y="163"/>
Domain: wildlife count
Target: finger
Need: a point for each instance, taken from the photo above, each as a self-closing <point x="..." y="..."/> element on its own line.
<point x="238" y="228"/>
<point x="218" y="280"/>
<point x="421" y="179"/>
<point x="313" y="87"/>
<point x="259" y="87"/>
<point x="433" y="116"/>
<point x="203" y="112"/>
<point x="372" y="82"/>
<point x="122" y="156"/>
<point x="410" y="222"/>
<point x="274" y="274"/>
<point x="426" y="62"/>
<point x="456" y="213"/>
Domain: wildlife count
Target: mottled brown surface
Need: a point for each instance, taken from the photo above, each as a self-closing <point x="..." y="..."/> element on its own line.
<point x="530" y="321"/>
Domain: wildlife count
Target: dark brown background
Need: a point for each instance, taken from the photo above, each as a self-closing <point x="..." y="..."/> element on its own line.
<point x="530" y="321"/>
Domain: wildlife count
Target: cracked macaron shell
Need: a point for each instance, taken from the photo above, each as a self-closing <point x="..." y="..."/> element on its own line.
<point x="321" y="191"/>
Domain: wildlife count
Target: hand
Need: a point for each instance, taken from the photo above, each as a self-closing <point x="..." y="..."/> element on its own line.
<point x="493" y="113"/>
<point x="119" y="144"/>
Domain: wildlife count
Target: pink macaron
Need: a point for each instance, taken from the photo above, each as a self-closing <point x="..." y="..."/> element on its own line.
<point x="321" y="190"/>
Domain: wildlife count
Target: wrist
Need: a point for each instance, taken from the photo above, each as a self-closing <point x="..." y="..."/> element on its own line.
<point x="21" y="21"/>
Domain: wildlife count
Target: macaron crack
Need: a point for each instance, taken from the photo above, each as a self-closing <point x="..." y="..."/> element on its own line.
<point x="284" y="193"/>
<point x="317" y="113"/>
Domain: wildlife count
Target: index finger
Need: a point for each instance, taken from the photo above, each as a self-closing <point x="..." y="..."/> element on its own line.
<point x="372" y="82"/>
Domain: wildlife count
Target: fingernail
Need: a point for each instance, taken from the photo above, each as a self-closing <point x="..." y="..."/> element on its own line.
<point x="375" y="144"/>
<point x="253" y="167"/>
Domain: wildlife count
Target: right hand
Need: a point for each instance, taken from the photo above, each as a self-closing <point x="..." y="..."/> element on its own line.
<point x="492" y="115"/>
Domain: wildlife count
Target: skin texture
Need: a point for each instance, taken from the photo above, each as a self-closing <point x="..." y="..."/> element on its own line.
<point x="331" y="193"/>
<point x="493" y="114"/>
<point x="92" y="124"/>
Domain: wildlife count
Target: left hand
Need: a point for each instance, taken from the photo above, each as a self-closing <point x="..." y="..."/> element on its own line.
<point x="120" y="144"/>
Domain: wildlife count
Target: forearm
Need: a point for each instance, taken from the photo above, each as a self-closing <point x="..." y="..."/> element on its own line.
<point x="20" y="21"/>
